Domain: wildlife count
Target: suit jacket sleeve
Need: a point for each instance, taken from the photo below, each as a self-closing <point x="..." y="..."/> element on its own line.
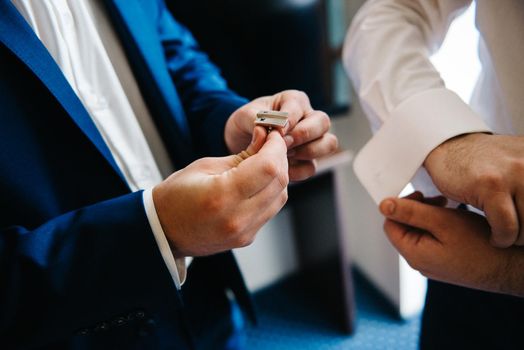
<point x="93" y="266"/>
<point x="207" y="100"/>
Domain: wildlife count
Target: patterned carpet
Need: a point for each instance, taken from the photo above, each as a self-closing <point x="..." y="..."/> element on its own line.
<point x="298" y="313"/>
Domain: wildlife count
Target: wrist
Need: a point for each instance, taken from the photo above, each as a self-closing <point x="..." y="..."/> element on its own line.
<point x="158" y="194"/>
<point x="451" y="150"/>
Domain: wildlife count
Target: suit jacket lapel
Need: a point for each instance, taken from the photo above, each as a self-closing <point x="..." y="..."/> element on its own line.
<point x="20" y="39"/>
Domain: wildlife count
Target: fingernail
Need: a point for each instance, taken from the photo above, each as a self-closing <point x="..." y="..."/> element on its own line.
<point x="289" y="140"/>
<point x="387" y="207"/>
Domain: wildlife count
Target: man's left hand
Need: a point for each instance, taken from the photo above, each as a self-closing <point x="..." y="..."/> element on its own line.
<point x="307" y="133"/>
<point x="452" y="245"/>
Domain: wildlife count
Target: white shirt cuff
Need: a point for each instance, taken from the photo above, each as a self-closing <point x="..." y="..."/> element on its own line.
<point x="391" y="158"/>
<point x="176" y="266"/>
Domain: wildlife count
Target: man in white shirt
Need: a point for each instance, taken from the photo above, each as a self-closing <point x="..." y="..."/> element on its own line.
<point x="421" y="127"/>
<point x="100" y="102"/>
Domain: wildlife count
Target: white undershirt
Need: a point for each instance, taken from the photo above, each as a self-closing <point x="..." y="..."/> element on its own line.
<point x="387" y="54"/>
<point x="79" y="36"/>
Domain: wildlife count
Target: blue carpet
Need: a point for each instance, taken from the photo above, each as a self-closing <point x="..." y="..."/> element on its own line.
<point x="297" y="313"/>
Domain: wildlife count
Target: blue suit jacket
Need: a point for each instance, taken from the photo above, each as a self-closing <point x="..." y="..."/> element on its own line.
<point x="77" y="255"/>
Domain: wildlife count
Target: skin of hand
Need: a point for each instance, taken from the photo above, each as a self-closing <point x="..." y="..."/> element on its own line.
<point x="217" y="204"/>
<point x="451" y="245"/>
<point x="487" y="172"/>
<point x="306" y="135"/>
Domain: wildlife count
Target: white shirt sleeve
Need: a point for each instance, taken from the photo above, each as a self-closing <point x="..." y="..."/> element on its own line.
<point x="176" y="266"/>
<point x="386" y="54"/>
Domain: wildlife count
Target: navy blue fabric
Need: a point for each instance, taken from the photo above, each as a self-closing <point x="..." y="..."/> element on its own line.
<point x="79" y="267"/>
<point x="462" y="318"/>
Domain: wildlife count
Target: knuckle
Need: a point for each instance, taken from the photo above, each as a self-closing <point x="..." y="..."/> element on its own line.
<point x="244" y="240"/>
<point x="213" y="204"/>
<point x="232" y="226"/>
<point x="312" y="168"/>
<point x="415" y="264"/>
<point x="283" y="178"/>
<point x="492" y="180"/>
<point x="325" y="121"/>
<point x="270" y="168"/>
<point x="303" y="135"/>
<point x="332" y="143"/>
<point x="424" y="272"/>
<point x="517" y="166"/>
<point x="284" y="197"/>
<point x="298" y="94"/>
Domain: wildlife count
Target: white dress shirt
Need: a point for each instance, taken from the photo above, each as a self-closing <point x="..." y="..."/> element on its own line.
<point x="387" y="54"/>
<point x="79" y="36"/>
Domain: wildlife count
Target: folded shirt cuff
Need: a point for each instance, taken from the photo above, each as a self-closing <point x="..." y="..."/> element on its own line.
<point x="176" y="266"/>
<point x="388" y="162"/>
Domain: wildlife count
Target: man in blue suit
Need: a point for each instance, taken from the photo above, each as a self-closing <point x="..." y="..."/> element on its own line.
<point x="100" y="101"/>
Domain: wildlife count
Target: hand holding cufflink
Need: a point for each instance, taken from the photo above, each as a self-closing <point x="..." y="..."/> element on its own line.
<point x="268" y="120"/>
<point x="306" y="131"/>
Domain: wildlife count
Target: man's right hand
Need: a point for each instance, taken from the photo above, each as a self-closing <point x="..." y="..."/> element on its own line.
<point x="217" y="204"/>
<point x="487" y="172"/>
<point x="451" y="245"/>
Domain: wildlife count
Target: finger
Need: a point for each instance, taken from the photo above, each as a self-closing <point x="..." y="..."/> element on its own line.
<point x="403" y="237"/>
<point x="265" y="197"/>
<point x="300" y="170"/>
<point x="502" y="217"/>
<point x="295" y="103"/>
<point x="415" y="214"/>
<point x="519" y="200"/>
<point x="266" y="208"/>
<point x="313" y="126"/>
<point x="416" y="196"/>
<point x="438" y="201"/>
<point x="259" y="170"/>
<point x="259" y="138"/>
<point x="414" y="245"/>
<point x="260" y="216"/>
<point x="321" y="147"/>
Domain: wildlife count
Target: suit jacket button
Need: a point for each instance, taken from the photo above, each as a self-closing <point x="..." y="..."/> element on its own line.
<point x="83" y="331"/>
<point x="119" y="321"/>
<point x="101" y="327"/>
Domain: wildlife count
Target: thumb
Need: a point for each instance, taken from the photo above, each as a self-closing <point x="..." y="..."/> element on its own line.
<point x="220" y="165"/>
<point x="259" y="137"/>
<point x="257" y="142"/>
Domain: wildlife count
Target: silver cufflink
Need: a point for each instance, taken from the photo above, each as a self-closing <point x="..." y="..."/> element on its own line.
<point x="271" y="119"/>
